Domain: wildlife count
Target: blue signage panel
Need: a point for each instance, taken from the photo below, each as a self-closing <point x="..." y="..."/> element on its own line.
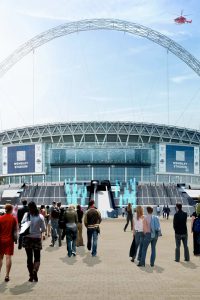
<point x="179" y="159"/>
<point x="21" y="159"/>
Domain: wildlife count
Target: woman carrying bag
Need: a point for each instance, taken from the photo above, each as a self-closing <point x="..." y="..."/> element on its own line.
<point x="32" y="242"/>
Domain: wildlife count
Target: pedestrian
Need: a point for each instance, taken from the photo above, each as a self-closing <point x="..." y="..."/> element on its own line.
<point x="43" y="213"/>
<point x="123" y="211"/>
<point x="129" y="217"/>
<point x="47" y="221"/>
<point x="167" y="212"/>
<point x="164" y="211"/>
<point x="22" y="211"/>
<point x="71" y="220"/>
<point x="158" y="210"/>
<point x="32" y="242"/>
<point x="92" y="220"/>
<point x="195" y="228"/>
<point x="54" y="217"/>
<point x="61" y="224"/>
<point x="180" y="228"/>
<point x="79" y="241"/>
<point x="8" y="235"/>
<point x="20" y="215"/>
<point x="138" y="233"/>
<point x="151" y="227"/>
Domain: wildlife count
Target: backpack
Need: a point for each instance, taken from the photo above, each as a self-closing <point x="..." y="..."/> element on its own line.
<point x="55" y="213"/>
<point x="155" y="227"/>
<point x="196" y="225"/>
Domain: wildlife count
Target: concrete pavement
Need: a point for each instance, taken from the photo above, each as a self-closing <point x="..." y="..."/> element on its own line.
<point x="108" y="276"/>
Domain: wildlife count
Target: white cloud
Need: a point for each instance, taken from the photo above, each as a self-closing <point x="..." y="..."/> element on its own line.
<point x="182" y="78"/>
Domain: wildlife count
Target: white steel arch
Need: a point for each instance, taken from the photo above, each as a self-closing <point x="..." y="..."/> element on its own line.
<point x="100" y="24"/>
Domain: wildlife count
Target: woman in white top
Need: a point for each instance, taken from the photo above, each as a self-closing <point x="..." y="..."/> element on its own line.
<point x="138" y="233"/>
<point x="32" y="241"/>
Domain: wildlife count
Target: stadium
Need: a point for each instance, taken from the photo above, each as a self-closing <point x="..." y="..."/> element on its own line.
<point x="144" y="163"/>
<point x="47" y="156"/>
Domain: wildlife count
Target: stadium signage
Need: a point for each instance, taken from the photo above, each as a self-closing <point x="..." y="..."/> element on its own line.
<point x="178" y="159"/>
<point x="22" y="159"/>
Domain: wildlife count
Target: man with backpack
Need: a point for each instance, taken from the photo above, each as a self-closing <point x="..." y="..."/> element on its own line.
<point x="180" y="228"/>
<point x="54" y="217"/>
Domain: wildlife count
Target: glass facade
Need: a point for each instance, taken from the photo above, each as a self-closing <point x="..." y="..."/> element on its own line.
<point x="101" y="163"/>
<point x="59" y="157"/>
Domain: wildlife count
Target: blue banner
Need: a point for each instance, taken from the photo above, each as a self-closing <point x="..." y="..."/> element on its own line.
<point x="21" y="159"/>
<point x="179" y="159"/>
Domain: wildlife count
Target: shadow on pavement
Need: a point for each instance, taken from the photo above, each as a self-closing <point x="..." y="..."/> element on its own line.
<point x="69" y="260"/>
<point x="51" y="249"/>
<point x="23" y="288"/>
<point x="3" y="287"/>
<point x="149" y="269"/>
<point x="91" y="261"/>
<point x="189" y="265"/>
<point x="81" y="251"/>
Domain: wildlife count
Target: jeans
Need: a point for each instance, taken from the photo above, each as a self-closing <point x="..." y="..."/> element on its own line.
<point x="92" y="237"/>
<point x="54" y="230"/>
<point x="71" y="235"/>
<point x="33" y="265"/>
<point x="147" y="240"/>
<point x="178" y="239"/>
<point x="139" y="237"/>
<point x="127" y="222"/>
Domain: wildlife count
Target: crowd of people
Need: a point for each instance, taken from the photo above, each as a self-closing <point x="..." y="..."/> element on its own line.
<point x="147" y="229"/>
<point x="30" y="225"/>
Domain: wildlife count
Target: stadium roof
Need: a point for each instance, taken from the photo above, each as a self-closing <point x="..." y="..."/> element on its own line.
<point x="99" y="134"/>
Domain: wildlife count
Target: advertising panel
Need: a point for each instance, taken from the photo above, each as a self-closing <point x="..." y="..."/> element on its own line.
<point x="178" y="159"/>
<point x="22" y="159"/>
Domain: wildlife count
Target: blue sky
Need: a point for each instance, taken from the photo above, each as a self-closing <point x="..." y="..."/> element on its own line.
<point x="99" y="75"/>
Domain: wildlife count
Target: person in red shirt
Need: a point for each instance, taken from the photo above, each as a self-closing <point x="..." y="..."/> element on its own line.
<point x="8" y="229"/>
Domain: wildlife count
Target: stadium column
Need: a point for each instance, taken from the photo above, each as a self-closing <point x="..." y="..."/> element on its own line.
<point x="141" y="175"/>
<point x="92" y="173"/>
<point x="59" y="174"/>
<point x="109" y="173"/>
<point x="75" y="174"/>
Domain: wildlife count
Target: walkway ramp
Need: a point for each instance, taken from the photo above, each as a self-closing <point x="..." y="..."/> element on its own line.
<point x="103" y="203"/>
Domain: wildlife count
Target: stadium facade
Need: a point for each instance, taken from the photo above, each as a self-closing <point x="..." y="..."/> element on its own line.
<point x="83" y="151"/>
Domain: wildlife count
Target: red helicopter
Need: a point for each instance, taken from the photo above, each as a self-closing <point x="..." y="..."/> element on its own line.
<point x="182" y="19"/>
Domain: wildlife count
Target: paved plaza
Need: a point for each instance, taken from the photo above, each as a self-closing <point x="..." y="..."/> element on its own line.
<point x="110" y="275"/>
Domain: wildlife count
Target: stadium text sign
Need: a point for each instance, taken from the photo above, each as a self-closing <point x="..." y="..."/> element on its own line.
<point x="178" y="159"/>
<point x="22" y="159"/>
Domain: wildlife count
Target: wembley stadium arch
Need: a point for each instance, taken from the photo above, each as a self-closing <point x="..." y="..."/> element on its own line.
<point x="82" y="151"/>
<point x="100" y="24"/>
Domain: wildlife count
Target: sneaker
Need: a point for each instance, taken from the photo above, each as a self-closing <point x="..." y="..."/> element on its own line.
<point x="133" y="259"/>
<point x="73" y="253"/>
<point x="51" y="245"/>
